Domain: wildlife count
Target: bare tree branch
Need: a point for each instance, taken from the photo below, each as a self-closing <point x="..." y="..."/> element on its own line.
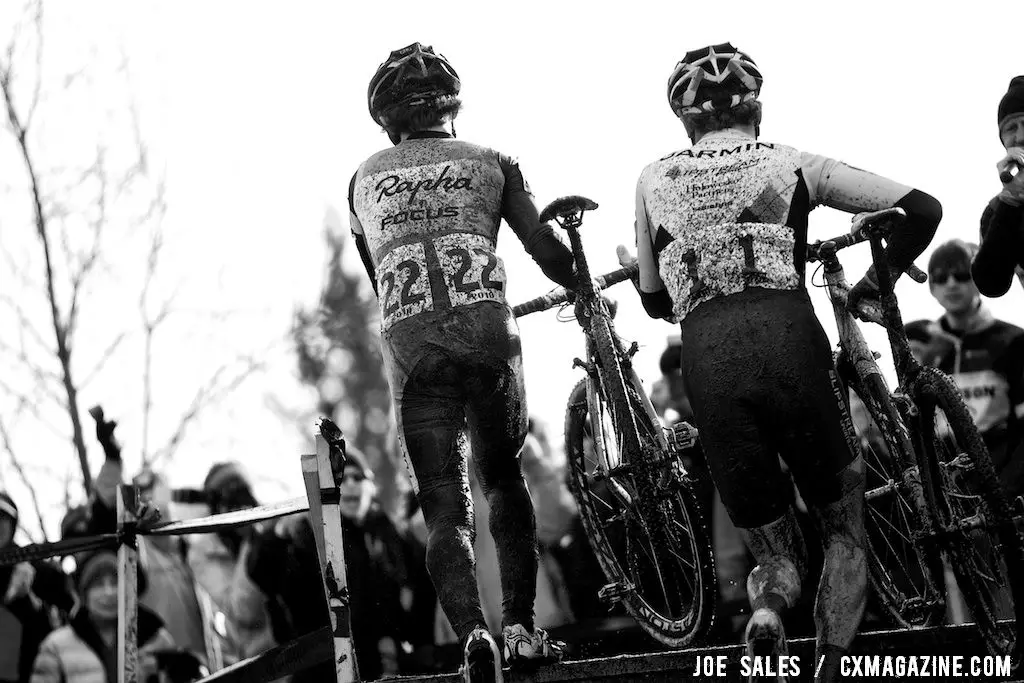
<point x="63" y="350"/>
<point x="38" y="85"/>
<point x="5" y="437"/>
<point x="25" y="323"/>
<point x="209" y="394"/>
<point x="31" y="404"/>
<point x="105" y="357"/>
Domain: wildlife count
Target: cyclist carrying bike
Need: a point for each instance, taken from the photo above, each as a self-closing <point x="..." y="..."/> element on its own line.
<point x="425" y="215"/>
<point x="721" y="234"/>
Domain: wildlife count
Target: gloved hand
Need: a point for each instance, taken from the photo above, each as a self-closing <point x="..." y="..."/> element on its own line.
<point x="1013" y="191"/>
<point x="865" y="289"/>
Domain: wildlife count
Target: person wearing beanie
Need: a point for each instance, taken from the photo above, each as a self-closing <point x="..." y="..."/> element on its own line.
<point x="28" y="590"/>
<point x="1002" y="221"/>
<point x="173" y="592"/>
<point x="85" y="651"/>
<point x="218" y="562"/>
<point x="984" y="355"/>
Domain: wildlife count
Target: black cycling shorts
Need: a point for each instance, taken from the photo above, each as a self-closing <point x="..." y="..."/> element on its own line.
<point x="762" y="384"/>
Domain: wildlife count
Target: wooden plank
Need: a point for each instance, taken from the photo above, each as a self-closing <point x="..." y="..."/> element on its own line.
<point x="678" y="665"/>
<point x="322" y="473"/>
<point x="127" y="589"/>
<point x="283" y="660"/>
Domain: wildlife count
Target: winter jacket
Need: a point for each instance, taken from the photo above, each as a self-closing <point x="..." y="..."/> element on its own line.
<point x="77" y="654"/>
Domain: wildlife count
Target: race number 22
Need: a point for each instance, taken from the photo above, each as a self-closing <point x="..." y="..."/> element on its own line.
<point x="471" y="270"/>
<point x="404" y="288"/>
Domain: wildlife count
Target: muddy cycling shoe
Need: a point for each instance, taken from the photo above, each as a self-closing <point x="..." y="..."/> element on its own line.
<point x="525" y="650"/>
<point x="766" y="642"/>
<point x="481" y="661"/>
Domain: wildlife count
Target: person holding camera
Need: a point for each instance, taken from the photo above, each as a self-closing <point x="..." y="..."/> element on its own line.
<point x="1002" y="222"/>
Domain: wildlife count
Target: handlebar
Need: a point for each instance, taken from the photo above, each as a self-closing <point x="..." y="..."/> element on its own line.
<point x="864" y="227"/>
<point x="561" y="294"/>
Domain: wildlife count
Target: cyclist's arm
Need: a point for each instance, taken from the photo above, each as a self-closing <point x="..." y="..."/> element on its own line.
<point x="1002" y="248"/>
<point x="653" y="293"/>
<point x="358" y="236"/>
<point x="844" y="187"/>
<point x="540" y="240"/>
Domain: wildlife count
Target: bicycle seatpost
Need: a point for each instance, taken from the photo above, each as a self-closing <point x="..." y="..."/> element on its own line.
<point x="568" y="213"/>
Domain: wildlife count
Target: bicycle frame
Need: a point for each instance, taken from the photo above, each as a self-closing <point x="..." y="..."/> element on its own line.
<point x="862" y="361"/>
<point x="592" y="310"/>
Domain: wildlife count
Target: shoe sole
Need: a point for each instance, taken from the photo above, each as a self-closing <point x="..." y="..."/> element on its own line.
<point x="481" y="666"/>
<point x="764" y="642"/>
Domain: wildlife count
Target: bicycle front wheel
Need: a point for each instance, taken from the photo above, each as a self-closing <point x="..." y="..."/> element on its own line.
<point x="907" y="578"/>
<point x="977" y="525"/>
<point x="641" y="519"/>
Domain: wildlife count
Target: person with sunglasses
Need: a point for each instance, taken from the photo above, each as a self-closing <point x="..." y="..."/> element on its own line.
<point x="983" y="354"/>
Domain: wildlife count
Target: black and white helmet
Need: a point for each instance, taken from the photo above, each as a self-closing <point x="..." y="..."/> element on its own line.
<point x="713" y="78"/>
<point x="413" y="75"/>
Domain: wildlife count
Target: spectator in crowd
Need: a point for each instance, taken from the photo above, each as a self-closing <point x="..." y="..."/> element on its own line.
<point x="173" y="592"/>
<point x="1002" y="221"/>
<point x="984" y="355"/>
<point x="218" y="562"/>
<point x="284" y="565"/>
<point x="28" y="594"/>
<point x="85" y="650"/>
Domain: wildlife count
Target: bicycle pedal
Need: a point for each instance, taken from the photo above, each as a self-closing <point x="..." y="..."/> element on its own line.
<point x="681" y="436"/>
<point x="613" y="593"/>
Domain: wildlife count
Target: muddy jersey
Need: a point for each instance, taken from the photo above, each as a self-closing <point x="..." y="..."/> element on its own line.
<point x="429" y="210"/>
<point x="731" y="212"/>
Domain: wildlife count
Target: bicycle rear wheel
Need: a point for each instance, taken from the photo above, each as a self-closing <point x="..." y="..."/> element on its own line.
<point x="641" y="519"/>
<point x="906" y="578"/>
<point x="986" y="550"/>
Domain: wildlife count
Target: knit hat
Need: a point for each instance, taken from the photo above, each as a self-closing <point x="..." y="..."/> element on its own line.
<point x="8" y="507"/>
<point x="92" y="566"/>
<point x="1013" y="101"/>
<point x="226" y="484"/>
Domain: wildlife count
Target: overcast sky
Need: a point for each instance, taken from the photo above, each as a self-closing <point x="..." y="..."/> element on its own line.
<point x="257" y="113"/>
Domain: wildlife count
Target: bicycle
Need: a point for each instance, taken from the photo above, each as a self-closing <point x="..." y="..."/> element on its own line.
<point x="634" y="496"/>
<point x="932" y="494"/>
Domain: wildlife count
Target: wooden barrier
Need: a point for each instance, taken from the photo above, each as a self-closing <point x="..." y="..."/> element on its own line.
<point x="127" y="587"/>
<point x="322" y="473"/>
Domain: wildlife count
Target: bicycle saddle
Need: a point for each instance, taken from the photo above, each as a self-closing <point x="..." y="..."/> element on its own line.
<point x="566" y="207"/>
